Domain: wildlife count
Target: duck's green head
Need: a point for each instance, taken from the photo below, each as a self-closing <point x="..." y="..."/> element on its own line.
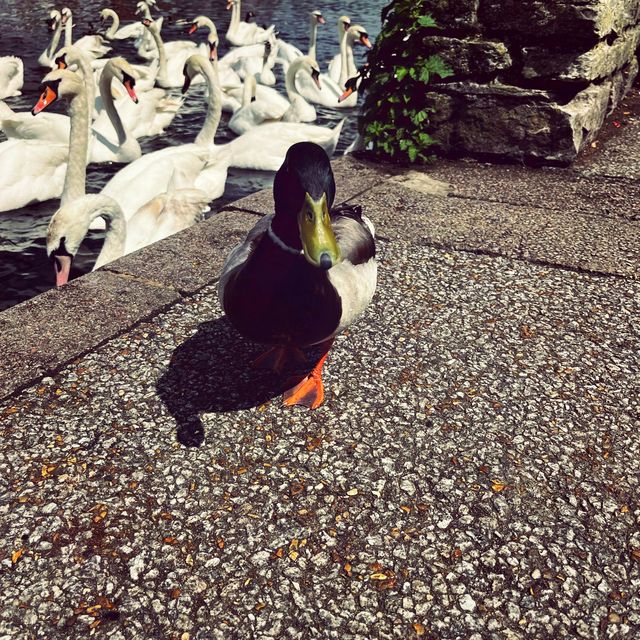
<point x="303" y="191"/>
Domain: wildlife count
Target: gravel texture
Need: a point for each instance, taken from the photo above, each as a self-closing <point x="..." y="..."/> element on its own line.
<point x="473" y="473"/>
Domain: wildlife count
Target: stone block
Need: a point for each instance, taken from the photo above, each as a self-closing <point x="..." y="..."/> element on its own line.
<point x="470" y="58"/>
<point x="600" y="61"/>
<point x="621" y="83"/>
<point x="516" y="124"/>
<point x="578" y="20"/>
<point x="454" y="14"/>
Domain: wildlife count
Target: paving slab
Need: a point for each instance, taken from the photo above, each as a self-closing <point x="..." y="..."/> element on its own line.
<point x="472" y="474"/>
<point x="584" y="242"/>
<point x="188" y="260"/>
<point x="560" y="190"/>
<point x="40" y="334"/>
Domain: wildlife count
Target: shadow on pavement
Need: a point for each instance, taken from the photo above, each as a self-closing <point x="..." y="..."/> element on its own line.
<point x="211" y="373"/>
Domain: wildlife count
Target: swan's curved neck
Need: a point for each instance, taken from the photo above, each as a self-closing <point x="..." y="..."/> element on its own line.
<point x="114" y="25"/>
<point x="79" y="58"/>
<point x="214" y="104"/>
<point x="162" y="56"/>
<point x="248" y="90"/>
<point x="345" y="50"/>
<point x="76" y="175"/>
<point x="290" y="80"/>
<point x="55" y="39"/>
<point x="68" y="31"/>
<point x="235" y="17"/>
<point x="313" y="34"/>
<point x="107" y="98"/>
<point x="116" y="230"/>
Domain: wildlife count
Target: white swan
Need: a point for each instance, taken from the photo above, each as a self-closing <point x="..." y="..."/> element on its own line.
<point x="300" y="110"/>
<point x="146" y="47"/>
<point x="11" y="76"/>
<point x="253" y="112"/>
<point x="35" y="170"/>
<point x="55" y="26"/>
<point x="332" y="91"/>
<point x="344" y="22"/>
<point x="255" y="60"/>
<point x="265" y="147"/>
<point x="115" y="32"/>
<point x="165" y="215"/>
<point x="172" y="58"/>
<point x="93" y="46"/>
<point x="241" y="33"/>
<point x="287" y="53"/>
<point x="202" y="162"/>
<point x="227" y="76"/>
<point x="107" y="147"/>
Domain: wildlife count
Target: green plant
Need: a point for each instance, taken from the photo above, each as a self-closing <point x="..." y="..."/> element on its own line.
<point x="396" y="112"/>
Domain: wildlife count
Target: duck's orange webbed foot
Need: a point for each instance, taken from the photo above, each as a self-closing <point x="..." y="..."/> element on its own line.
<point x="309" y="392"/>
<point x="278" y="358"/>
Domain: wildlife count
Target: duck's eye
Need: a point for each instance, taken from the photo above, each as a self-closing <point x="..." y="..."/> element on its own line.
<point x="309" y="215"/>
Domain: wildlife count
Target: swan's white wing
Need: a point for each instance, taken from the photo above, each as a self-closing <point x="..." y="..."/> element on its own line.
<point x="11" y="76"/>
<point x="165" y="215"/>
<point x="133" y="30"/>
<point x="144" y="179"/>
<point x="31" y="171"/>
<point x="274" y="140"/>
<point x="53" y="127"/>
<point x="335" y="68"/>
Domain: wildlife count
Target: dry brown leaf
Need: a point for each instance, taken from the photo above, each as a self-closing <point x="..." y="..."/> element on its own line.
<point x="347" y="569"/>
<point x="16" y="555"/>
<point x="379" y="576"/>
<point x="220" y="543"/>
<point x="169" y="540"/>
<point x="260" y="606"/>
<point x="498" y="485"/>
<point x="418" y="628"/>
<point x="526" y="332"/>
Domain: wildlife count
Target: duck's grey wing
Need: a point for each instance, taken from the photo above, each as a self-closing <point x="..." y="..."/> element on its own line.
<point x="354" y="233"/>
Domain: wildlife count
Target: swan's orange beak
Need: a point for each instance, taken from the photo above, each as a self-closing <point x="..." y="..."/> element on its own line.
<point x="192" y="29"/>
<point x="49" y="96"/>
<point x="364" y="39"/>
<point x="62" y="267"/>
<point x="213" y="51"/>
<point x="229" y="4"/>
<point x="321" y="20"/>
<point x="346" y="94"/>
<point x="128" y="85"/>
<point x="61" y="63"/>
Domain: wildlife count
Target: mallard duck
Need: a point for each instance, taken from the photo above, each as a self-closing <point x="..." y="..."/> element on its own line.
<point x="304" y="273"/>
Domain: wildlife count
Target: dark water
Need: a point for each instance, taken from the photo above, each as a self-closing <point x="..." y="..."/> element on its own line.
<point x="24" y="268"/>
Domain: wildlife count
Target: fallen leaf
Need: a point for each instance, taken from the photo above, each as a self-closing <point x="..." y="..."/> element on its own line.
<point x="406" y="508"/>
<point x="498" y="485"/>
<point x="260" y="606"/>
<point x="279" y="552"/>
<point x="169" y="540"/>
<point x="635" y="554"/>
<point x="16" y="555"/>
<point x="347" y="569"/>
<point x="526" y="332"/>
<point x="379" y="576"/>
<point x="418" y="628"/>
<point x="296" y="488"/>
<point x="220" y="543"/>
<point x="175" y="593"/>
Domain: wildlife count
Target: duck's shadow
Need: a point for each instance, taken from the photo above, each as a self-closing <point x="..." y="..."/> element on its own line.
<point x="211" y="372"/>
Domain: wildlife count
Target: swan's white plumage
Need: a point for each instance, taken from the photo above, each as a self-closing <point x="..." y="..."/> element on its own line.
<point x="11" y="76"/>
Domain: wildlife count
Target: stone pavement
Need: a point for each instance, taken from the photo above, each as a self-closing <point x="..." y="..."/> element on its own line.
<point x="473" y="474"/>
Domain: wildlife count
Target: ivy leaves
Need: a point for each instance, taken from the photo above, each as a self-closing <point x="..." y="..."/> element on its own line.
<point x="395" y="115"/>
